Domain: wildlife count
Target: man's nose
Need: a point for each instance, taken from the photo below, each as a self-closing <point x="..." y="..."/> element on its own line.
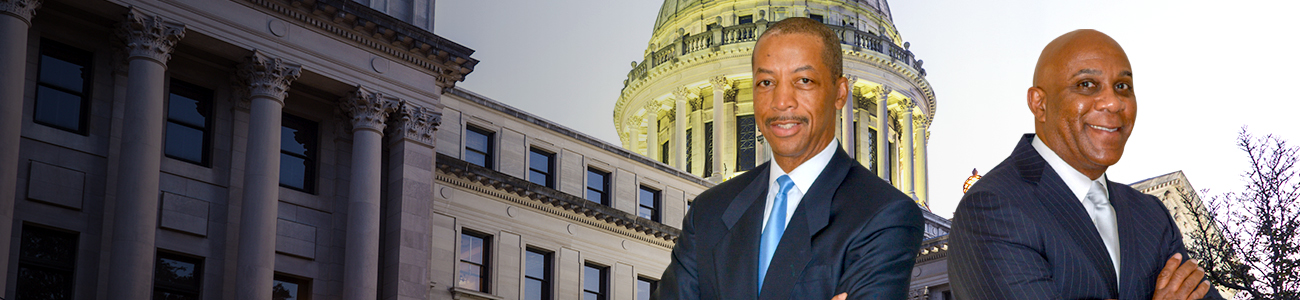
<point x="1110" y="101"/>
<point x="783" y="98"/>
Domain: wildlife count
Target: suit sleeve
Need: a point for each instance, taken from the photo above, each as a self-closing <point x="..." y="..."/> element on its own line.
<point x="1174" y="244"/>
<point x="681" y="279"/>
<point x="879" y="259"/>
<point x="993" y="253"/>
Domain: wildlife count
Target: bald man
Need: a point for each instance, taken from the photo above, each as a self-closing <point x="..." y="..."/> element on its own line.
<point x="1046" y="223"/>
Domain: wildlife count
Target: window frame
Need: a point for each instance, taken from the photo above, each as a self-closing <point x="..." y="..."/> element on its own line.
<point x="304" y="284"/>
<point x="74" y="55"/>
<point x="548" y="267"/>
<point x="605" y="189"/>
<point x="490" y="136"/>
<point x="198" y="261"/>
<point x="550" y="156"/>
<point x="654" y="284"/>
<point x="48" y="265"/>
<point x="603" y="272"/>
<point x="312" y="157"/>
<point x="656" y="212"/>
<point x="205" y="98"/>
<point x="485" y="268"/>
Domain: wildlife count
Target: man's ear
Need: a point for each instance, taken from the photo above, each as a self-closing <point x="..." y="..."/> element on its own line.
<point x="1037" y="101"/>
<point x="843" y="90"/>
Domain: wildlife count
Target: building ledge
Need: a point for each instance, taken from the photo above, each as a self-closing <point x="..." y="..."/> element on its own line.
<point x="467" y="294"/>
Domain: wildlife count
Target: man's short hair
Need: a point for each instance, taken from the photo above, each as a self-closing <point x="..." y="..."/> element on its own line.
<point x="832" y="55"/>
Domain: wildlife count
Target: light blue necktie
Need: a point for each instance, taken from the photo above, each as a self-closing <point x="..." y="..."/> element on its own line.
<point x="774" y="228"/>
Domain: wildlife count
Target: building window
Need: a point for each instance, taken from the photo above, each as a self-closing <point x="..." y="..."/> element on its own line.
<point x="298" y="151"/>
<point x="541" y="167"/>
<point x="63" y="87"/>
<point x="537" y="274"/>
<point x="817" y="17"/>
<point x="177" y="277"/>
<point x="478" y="146"/>
<point x="46" y="263"/>
<point x="708" y="149"/>
<point x="189" y="123"/>
<point x="746" y="19"/>
<point x="475" y="249"/>
<point x="598" y="186"/>
<point x="871" y="151"/>
<point x="290" y="288"/>
<point x="663" y="152"/>
<point x="644" y="287"/>
<point x="595" y="285"/>
<point x="648" y="202"/>
<point x="688" y="150"/>
<point x="745" y="143"/>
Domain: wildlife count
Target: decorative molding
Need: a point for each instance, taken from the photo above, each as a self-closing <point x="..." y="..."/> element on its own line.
<point x="368" y="109"/>
<point x="263" y="76"/>
<point x="22" y="9"/>
<point x="417" y="123"/>
<point x="149" y="36"/>
<point x="683" y="93"/>
<point x="720" y="83"/>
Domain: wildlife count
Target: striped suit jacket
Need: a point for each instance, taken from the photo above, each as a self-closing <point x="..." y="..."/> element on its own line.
<point x="1019" y="233"/>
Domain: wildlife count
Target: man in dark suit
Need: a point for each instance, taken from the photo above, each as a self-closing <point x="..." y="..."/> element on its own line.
<point x="811" y="223"/>
<point x="1046" y="223"/>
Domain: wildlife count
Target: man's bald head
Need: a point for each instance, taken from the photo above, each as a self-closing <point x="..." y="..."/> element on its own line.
<point x="1083" y="101"/>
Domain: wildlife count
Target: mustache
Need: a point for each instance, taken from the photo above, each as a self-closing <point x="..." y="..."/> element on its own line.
<point x="774" y="119"/>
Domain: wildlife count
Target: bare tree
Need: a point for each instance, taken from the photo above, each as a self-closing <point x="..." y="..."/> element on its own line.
<point x="1247" y="240"/>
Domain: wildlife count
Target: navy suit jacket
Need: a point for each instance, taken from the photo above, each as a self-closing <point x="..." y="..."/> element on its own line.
<point x="852" y="233"/>
<point x="1020" y="233"/>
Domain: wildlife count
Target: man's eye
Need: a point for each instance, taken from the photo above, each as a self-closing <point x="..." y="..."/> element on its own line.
<point x="764" y="82"/>
<point x="1122" y="86"/>
<point x="1087" y="84"/>
<point x="805" y="80"/>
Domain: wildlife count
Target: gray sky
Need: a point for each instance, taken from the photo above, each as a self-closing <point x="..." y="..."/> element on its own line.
<point x="1202" y="69"/>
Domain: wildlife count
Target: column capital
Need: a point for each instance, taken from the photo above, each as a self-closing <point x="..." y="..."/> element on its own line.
<point x="367" y="109"/>
<point x="683" y="93"/>
<point x="417" y="123"/>
<point x="149" y="36"/>
<point x="265" y="76"/>
<point x="23" y="9"/>
<point x="720" y="83"/>
<point x="852" y="80"/>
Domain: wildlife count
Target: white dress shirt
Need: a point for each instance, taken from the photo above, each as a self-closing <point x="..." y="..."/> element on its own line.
<point x="803" y="176"/>
<point x="1079" y="185"/>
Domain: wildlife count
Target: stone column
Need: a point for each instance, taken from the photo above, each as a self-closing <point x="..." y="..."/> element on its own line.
<point x="847" y="140"/>
<point x="149" y="42"/>
<point x="15" y="20"/>
<point x="922" y="172"/>
<point x="907" y="155"/>
<point x="679" y="128"/>
<point x="882" y="133"/>
<point x="266" y="81"/>
<point x="720" y="85"/>
<point x="368" y="112"/>
<point x="411" y="160"/>
<point x="652" y="130"/>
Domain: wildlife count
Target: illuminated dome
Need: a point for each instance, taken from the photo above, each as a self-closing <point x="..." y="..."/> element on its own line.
<point x="974" y="176"/>
<point x="696" y="69"/>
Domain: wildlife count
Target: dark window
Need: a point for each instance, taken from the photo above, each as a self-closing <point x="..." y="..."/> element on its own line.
<point x="648" y="204"/>
<point x="46" y="263"/>
<point x="537" y="275"/>
<point x="664" y="154"/>
<point x="475" y="249"/>
<point x="595" y="285"/>
<point x="708" y="149"/>
<point x="298" y="151"/>
<point x="745" y="143"/>
<point x="63" y="87"/>
<point x="598" y="186"/>
<point x="817" y="17"/>
<point x="478" y="146"/>
<point x="871" y="151"/>
<point x="688" y="150"/>
<point x="746" y="19"/>
<point x="189" y="123"/>
<point x="644" y="287"/>
<point x="541" y="167"/>
<point x="290" y="288"/>
<point x="177" y="277"/>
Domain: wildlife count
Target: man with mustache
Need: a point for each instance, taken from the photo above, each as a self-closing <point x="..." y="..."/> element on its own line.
<point x="811" y="223"/>
<point x="1046" y="223"/>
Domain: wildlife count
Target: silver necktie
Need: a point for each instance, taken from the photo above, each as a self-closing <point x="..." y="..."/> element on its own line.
<point x="1103" y="215"/>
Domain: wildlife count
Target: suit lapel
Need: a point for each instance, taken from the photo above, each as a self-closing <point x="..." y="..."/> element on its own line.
<point x="1129" y="242"/>
<point x="1063" y="206"/>
<point x="736" y="255"/>
<point x="812" y="215"/>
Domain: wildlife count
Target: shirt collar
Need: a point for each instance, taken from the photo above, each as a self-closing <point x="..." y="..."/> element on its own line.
<point x="805" y="174"/>
<point x="1078" y="183"/>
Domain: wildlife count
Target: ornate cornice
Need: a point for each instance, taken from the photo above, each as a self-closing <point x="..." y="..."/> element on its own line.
<point x="263" y="76"/>
<point x="149" y="36"/>
<point x="367" y="109"/>
<point x="417" y="123"/>
<point x="23" y="9"/>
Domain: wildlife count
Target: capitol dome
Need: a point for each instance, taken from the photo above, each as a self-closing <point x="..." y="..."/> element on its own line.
<point x="696" y="69"/>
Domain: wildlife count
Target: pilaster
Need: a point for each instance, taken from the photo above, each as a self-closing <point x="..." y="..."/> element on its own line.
<point x="149" y="41"/>
<point x="882" y="133"/>
<point x="720" y="84"/>
<point x="368" y="111"/>
<point x="847" y="140"/>
<point x="408" y="253"/>
<point x="652" y="130"/>
<point x="906" y="108"/>
<point x="679" y="128"/>
<point x="15" y="20"/>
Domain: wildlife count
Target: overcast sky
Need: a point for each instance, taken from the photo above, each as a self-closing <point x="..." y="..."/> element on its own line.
<point x="1202" y="70"/>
